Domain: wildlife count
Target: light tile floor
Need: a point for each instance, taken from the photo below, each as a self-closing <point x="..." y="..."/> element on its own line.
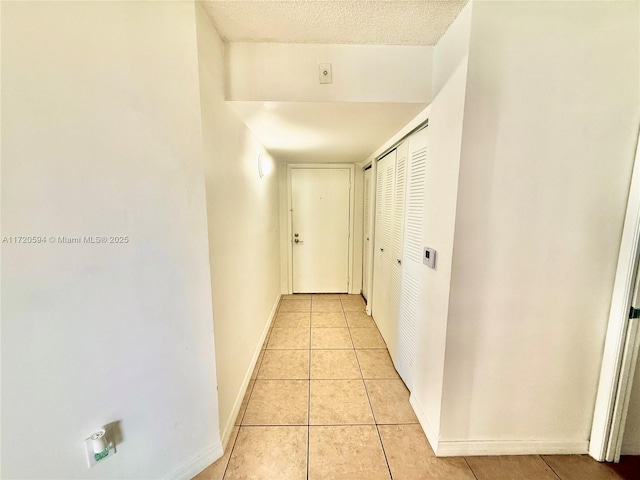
<point x="326" y="403"/>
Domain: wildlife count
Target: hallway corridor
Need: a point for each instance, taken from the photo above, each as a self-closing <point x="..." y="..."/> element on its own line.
<point x="325" y="403"/>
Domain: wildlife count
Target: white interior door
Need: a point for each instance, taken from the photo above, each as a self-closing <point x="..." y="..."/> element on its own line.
<point x="367" y="234"/>
<point x="411" y="255"/>
<point x="383" y="244"/>
<point x="320" y="229"/>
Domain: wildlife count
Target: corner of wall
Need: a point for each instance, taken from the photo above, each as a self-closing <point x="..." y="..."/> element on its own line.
<point x="430" y="431"/>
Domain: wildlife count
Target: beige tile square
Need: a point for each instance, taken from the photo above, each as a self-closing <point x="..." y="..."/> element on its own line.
<point x="292" y="320"/>
<point x="278" y="402"/>
<point x="359" y="320"/>
<point x="326" y="305"/>
<point x="390" y="401"/>
<point x="376" y="364"/>
<point x="346" y="453"/>
<point x="245" y="401"/>
<point x="352" y="303"/>
<point x="579" y="467"/>
<point x="334" y="364"/>
<point x="288" y="338"/>
<point x="410" y="457"/>
<point x="258" y="454"/>
<point x="339" y="402"/>
<point x="284" y="365"/>
<point x="330" y="338"/>
<point x="512" y="467"/>
<point x="367" y="338"/>
<point x="294" y="305"/>
<point x="216" y="470"/>
<point x="254" y="374"/>
<point x="328" y="319"/>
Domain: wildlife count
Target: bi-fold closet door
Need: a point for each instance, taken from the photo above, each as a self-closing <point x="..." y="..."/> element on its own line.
<point x="387" y="265"/>
<point x="397" y="263"/>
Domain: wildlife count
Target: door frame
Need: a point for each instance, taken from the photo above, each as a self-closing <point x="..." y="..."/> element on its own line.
<point x="320" y="166"/>
<point x="366" y="233"/>
<point x="373" y="195"/>
<point x="620" y="348"/>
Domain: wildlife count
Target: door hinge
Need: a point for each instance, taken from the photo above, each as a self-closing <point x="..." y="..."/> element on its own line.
<point x="634" y="312"/>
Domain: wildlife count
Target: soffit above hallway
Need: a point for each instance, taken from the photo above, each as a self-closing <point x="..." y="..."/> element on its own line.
<point x="365" y="22"/>
<point x="324" y="132"/>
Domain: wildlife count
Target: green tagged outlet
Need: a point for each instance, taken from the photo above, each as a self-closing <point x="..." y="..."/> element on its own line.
<point x="101" y="455"/>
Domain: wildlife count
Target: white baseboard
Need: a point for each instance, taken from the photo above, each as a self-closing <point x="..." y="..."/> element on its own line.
<point x="429" y="431"/>
<point x="470" y="448"/>
<point x="228" y="428"/>
<point x="197" y="463"/>
<point x="449" y="448"/>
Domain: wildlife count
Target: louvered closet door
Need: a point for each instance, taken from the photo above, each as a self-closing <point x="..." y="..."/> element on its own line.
<point x="383" y="244"/>
<point x="367" y="234"/>
<point x="397" y="237"/>
<point x="411" y="255"/>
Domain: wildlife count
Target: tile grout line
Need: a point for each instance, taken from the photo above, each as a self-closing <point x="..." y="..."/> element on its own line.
<point x="550" y="468"/>
<point x="326" y="425"/>
<point x="366" y="391"/>
<point x="226" y="467"/>
<point x="469" y="467"/>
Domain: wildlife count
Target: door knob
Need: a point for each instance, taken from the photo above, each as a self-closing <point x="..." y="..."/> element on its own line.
<point x="297" y="240"/>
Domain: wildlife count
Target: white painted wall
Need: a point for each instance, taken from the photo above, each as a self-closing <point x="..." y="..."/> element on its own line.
<point x="550" y="124"/>
<point x="631" y="439"/>
<point x="445" y="115"/>
<point x="101" y="135"/>
<point x="445" y="141"/>
<point x="243" y="231"/>
<point x="287" y="72"/>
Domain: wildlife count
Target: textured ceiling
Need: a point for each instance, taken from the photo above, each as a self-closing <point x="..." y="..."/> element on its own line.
<point x="370" y="22"/>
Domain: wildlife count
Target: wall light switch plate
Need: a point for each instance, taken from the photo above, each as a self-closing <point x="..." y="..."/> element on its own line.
<point x="324" y="71"/>
<point x="94" y="458"/>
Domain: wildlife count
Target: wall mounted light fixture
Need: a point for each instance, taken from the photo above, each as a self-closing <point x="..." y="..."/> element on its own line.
<point x="264" y="165"/>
